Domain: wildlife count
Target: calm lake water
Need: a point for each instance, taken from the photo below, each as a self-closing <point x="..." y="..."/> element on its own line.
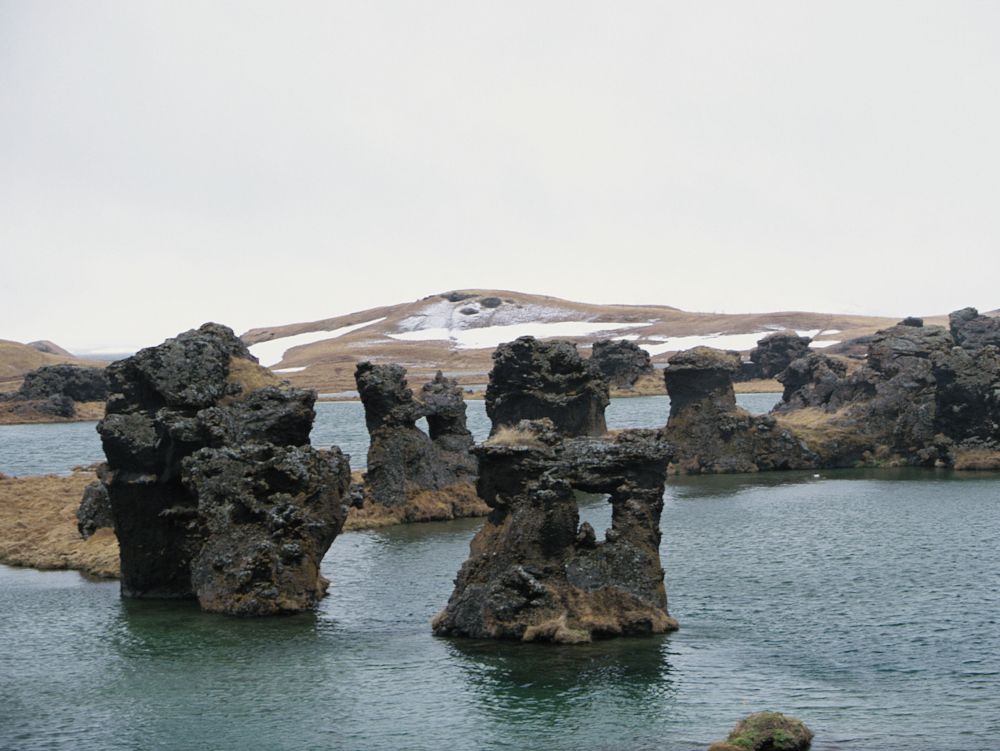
<point x="57" y="448"/>
<point x="865" y="602"/>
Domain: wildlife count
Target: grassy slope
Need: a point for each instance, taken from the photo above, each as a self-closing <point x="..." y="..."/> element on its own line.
<point x="16" y="359"/>
<point x="330" y="364"/>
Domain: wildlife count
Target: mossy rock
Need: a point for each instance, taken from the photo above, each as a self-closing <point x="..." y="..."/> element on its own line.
<point x="769" y="731"/>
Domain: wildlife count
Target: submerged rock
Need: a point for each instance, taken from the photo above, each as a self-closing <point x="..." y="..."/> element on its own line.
<point x="621" y="362"/>
<point x="710" y="433"/>
<point x="413" y="476"/>
<point x="208" y="452"/>
<point x="532" y="380"/>
<point x="534" y="572"/>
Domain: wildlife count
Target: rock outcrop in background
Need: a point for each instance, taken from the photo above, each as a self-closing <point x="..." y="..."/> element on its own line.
<point x="534" y="572"/>
<point x="214" y="489"/>
<point x="53" y="391"/>
<point x="710" y="433"/>
<point x="413" y="476"/>
<point x="772" y="355"/>
<point x="925" y="396"/>
<point x="532" y="380"/>
<point x="621" y="362"/>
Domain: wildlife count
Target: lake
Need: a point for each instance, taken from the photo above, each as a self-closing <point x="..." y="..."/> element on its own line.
<point x="864" y="602"/>
<point x="57" y="448"/>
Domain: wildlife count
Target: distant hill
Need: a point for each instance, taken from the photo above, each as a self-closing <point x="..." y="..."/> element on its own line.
<point x="16" y="359"/>
<point x="457" y="331"/>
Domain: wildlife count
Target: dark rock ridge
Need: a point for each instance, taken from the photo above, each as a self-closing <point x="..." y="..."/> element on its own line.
<point x="773" y="354"/>
<point x="972" y="331"/>
<point x="534" y="572"/>
<point x="918" y="399"/>
<point x="532" y="380"/>
<point x="710" y="433"/>
<point x="621" y="362"/>
<point x="214" y="489"/>
<point x="54" y="390"/>
<point x="411" y="474"/>
<point x="79" y="383"/>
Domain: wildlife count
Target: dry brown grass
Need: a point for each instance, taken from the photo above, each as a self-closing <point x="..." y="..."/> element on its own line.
<point x="758" y="386"/>
<point x="16" y="359"/>
<point x="24" y="413"/>
<point x="827" y="433"/>
<point x="249" y="376"/>
<point x="454" y="502"/>
<point x="512" y="436"/>
<point x="38" y="526"/>
<point x="977" y="459"/>
<point x="331" y="363"/>
<point x="649" y="384"/>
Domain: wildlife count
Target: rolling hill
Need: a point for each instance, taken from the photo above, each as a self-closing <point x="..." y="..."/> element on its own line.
<point x="457" y="331"/>
<point x="16" y="359"/>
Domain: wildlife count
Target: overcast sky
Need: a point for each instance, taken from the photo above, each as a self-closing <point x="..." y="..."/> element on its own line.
<point x="163" y="164"/>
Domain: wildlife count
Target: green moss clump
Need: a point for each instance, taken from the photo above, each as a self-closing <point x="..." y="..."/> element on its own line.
<point x="770" y="731"/>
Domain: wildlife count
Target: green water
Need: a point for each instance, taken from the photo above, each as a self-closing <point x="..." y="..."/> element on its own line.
<point x="864" y="602"/>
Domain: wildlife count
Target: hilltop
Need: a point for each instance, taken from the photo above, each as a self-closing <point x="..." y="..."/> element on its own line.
<point x="457" y="331"/>
<point x="16" y="359"/>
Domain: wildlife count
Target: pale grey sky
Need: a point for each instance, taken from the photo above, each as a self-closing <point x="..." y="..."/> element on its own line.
<point x="167" y="163"/>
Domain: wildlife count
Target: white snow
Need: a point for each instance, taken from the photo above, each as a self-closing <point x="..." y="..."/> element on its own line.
<point x="273" y="351"/>
<point x="291" y="370"/>
<point x="740" y="342"/>
<point x="442" y="314"/>
<point x="808" y="332"/>
<point x="822" y="345"/>
<point x="488" y="337"/>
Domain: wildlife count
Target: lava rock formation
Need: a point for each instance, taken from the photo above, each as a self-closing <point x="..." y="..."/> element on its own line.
<point x="532" y="380"/>
<point x="710" y="433"/>
<point x="773" y="354"/>
<point x="214" y="489"/>
<point x="534" y="572"/>
<point x="621" y="362"/>
<point x="413" y="476"/>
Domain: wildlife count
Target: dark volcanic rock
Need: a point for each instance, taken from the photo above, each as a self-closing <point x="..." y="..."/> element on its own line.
<point x="710" y="433"/>
<point x="773" y="354"/>
<point x="181" y="416"/>
<point x="407" y="468"/>
<point x="532" y="380"/>
<point x="57" y="405"/>
<point x="94" y="512"/>
<point x="813" y="381"/>
<point x="620" y="362"/>
<point x="268" y="515"/>
<point x="73" y="381"/>
<point x="918" y="399"/>
<point x="534" y="572"/>
<point x="972" y="331"/>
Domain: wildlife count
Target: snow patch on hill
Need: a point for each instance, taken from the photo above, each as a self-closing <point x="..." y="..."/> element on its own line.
<point x="273" y="351"/>
<point x="739" y="342"/>
<point x="489" y="337"/>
